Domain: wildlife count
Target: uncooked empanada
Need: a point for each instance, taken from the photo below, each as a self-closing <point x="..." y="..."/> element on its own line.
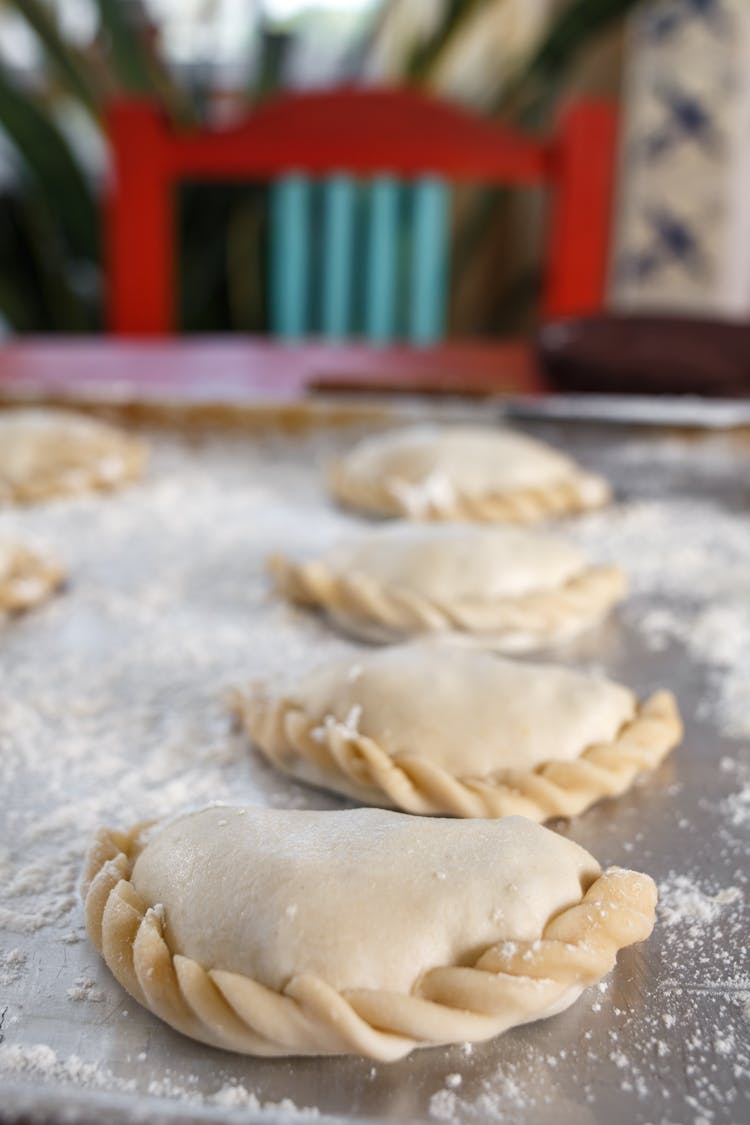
<point x="506" y="587"/>
<point x="429" y="728"/>
<point x="26" y="577"/>
<point x="46" y="453"/>
<point x="361" y="932"/>
<point x="463" y="472"/>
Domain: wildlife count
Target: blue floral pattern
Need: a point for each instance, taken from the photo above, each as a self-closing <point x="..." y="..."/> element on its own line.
<point x="687" y="107"/>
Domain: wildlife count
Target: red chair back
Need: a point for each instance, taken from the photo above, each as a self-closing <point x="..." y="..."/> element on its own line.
<point x="365" y="133"/>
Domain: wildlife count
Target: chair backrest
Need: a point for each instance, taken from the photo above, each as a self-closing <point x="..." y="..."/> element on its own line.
<point x="367" y="258"/>
<point x="384" y="136"/>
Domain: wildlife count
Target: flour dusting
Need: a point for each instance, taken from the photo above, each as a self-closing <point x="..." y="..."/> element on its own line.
<point x="112" y="711"/>
<point x="682" y="902"/>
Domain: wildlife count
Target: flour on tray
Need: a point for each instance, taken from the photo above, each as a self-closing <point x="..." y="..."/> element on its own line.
<point x="112" y="710"/>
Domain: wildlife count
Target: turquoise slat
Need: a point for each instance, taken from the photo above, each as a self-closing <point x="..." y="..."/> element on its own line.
<point x="338" y="256"/>
<point x="290" y="257"/>
<point x="429" y="261"/>
<point x="382" y="260"/>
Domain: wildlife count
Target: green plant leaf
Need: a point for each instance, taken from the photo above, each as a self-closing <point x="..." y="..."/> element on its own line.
<point x="124" y="46"/>
<point x="36" y="294"/>
<point x="138" y="67"/>
<point x="269" y="70"/>
<point x="71" y="64"/>
<point x="46" y="158"/>
<point x="536" y="86"/>
<point x="65" y="311"/>
<point x="574" y="28"/>
<point x="426" y="54"/>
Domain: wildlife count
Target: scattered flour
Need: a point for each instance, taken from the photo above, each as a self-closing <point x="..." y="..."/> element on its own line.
<point x="84" y="988"/>
<point x="232" y="1096"/>
<point x="736" y="807"/>
<point x="12" y="966"/>
<point x="348" y="729"/>
<point x="435" y="492"/>
<point x="699" y="598"/>
<point x="114" y="692"/>
<point x="443" y="1105"/>
<point x="41" y="1061"/>
<point x="682" y="902"/>
<point x="677" y="548"/>
<point x="507" y="1095"/>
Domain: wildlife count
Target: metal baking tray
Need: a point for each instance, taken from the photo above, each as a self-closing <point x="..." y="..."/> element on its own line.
<point x="112" y="709"/>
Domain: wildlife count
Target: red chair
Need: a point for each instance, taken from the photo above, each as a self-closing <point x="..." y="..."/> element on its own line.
<point x="364" y="133"/>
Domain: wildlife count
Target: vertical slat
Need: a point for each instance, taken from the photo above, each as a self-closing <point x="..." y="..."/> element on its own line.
<point x="290" y="256"/>
<point x="141" y="225"/>
<point x="579" y="225"/>
<point x="382" y="260"/>
<point x="429" y="262"/>
<point x="338" y="256"/>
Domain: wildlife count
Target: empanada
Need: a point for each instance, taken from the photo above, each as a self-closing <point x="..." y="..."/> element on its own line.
<point x="26" y="577"/>
<point x="429" y="728"/>
<point x="506" y="587"/>
<point x="463" y="472"/>
<point x="360" y="932"/>
<point x="46" y="453"/>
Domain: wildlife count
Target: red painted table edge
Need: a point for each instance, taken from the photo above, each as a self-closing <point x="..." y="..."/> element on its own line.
<point x="244" y="370"/>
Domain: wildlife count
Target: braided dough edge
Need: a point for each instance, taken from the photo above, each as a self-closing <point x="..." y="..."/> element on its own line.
<point x="580" y="491"/>
<point x="360" y="605"/>
<point x="510" y="983"/>
<point x="359" y="767"/>
<point x="30" y="580"/>
<point x="78" y="480"/>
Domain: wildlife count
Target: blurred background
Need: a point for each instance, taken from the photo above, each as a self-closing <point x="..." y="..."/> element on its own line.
<point x="679" y="71"/>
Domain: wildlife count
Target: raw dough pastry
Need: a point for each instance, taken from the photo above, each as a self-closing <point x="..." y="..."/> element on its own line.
<point x="26" y="578"/>
<point x="361" y="932"/>
<point x="463" y="472"/>
<point x="507" y="587"/>
<point x="48" y="453"/>
<point x="432" y="729"/>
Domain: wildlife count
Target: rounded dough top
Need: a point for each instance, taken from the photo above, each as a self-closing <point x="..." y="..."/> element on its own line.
<point x="473" y="460"/>
<point x="362" y="898"/>
<point x="467" y="710"/>
<point x="460" y="561"/>
<point x="59" y="451"/>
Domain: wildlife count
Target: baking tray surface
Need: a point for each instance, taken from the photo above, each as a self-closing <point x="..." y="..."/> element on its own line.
<point x="112" y="710"/>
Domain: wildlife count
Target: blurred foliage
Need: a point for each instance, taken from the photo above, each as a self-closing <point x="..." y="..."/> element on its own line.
<point x="50" y="246"/>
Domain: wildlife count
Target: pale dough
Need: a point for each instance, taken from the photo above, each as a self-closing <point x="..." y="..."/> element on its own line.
<point x="26" y="577"/>
<point x="510" y="588"/>
<point x="369" y="932"/>
<point x="463" y="472"/>
<point x="433" y="729"/>
<point x="46" y="453"/>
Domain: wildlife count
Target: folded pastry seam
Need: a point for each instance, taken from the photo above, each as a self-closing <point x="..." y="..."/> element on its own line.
<point x="511" y="624"/>
<point x="509" y="983"/>
<point x="360" y="768"/>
